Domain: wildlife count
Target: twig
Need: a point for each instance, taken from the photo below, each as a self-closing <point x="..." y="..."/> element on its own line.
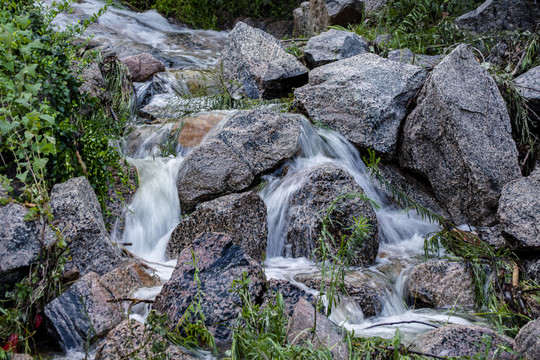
<point x="291" y="40"/>
<point x="136" y="258"/>
<point x="81" y="162"/>
<point x="401" y="322"/>
<point x="132" y="300"/>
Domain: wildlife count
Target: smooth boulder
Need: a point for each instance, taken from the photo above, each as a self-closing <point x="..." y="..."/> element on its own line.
<point x="519" y="212"/>
<point x="76" y="209"/>
<point x="250" y="144"/>
<point x="364" y="98"/>
<point x="241" y="216"/>
<point x="333" y="45"/>
<point x="459" y="138"/>
<point x="464" y="340"/>
<point x="310" y="202"/>
<point x="219" y="262"/>
<point x="143" y="66"/>
<point x="440" y="283"/>
<point x="256" y="65"/>
<point x="502" y="15"/>
<point x="317" y="15"/>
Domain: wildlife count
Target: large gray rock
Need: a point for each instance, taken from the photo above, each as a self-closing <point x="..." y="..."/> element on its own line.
<point x="255" y="64"/>
<point x="364" y="98"/>
<point x="143" y="66"/>
<point x="290" y="292"/>
<point x="310" y="202"/>
<point x="528" y="341"/>
<point x="519" y="212"/>
<point x="464" y="340"/>
<point x="241" y="216"/>
<point x="85" y="311"/>
<point x="441" y="283"/>
<point x="77" y="211"/>
<point x="333" y="45"/>
<point x="133" y="340"/>
<point x="219" y="261"/>
<point x="459" y="139"/>
<point x="327" y="334"/>
<point x="528" y="85"/>
<point x="427" y="62"/>
<point x="317" y="15"/>
<point x="20" y="243"/>
<point x="502" y="15"/>
<point x="250" y="144"/>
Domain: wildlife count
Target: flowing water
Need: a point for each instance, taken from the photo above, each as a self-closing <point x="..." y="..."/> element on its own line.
<point x="155" y="211"/>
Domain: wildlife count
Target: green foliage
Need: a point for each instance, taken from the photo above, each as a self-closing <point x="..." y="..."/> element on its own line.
<point x="45" y="137"/>
<point x="261" y="331"/>
<point x="210" y="14"/>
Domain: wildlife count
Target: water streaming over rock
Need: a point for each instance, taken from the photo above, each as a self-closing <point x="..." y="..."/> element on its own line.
<point x="155" y="211"/>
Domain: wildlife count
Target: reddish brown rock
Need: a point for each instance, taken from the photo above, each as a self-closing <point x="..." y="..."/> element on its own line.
<point x="194" y="128"/>
<point x="143" y="66"/>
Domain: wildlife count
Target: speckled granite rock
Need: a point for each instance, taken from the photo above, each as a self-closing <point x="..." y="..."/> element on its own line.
<point x="333" y="45"/>
<point x="241" y="216"/>
<point x="220" y="262"/>
<point x="528" y="340"/>
<point x="143" y="66"/>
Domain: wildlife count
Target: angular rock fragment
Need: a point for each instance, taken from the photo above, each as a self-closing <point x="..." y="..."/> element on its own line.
<point x="459" y="138"/>
<point x="333" y="45"/>
<point x="317" y="15"/>
<point x="143" y="66"/>
<point x="256" y="65"/>
<point x="528" y="340"/>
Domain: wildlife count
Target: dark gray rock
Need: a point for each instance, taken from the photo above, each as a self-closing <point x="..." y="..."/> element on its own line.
<point x="133" y="340"/>
<point x="85" y="312"/>
<point x="528" y="341"/>
<point x="333" y="45"/>
<point x="323" y="186"/>
<point x="290" y="292"/>
<point x="82" y="311"/>
<point x="441" y="283"/>
<point x="327" y="334"/>
<point x="76" y="209"/>
<point x="143" y="66"/>
<point x="241" y="216"/>
<point x="317" y="15"/>
<point x="220" y="262"/>
<point x="532" y="269"/>
<point x="463" y="340"/>
<point x="412" y="188"/>
<point x="20" y="243"/>
<point x="502" y="15"/>
<point x="519" y="212"/>
<point x="363" y="292"/>
<point x="250" y="144"/>
<point x="255" y="64"/>
<point x="427" y="62"/>
<point x="528" y="85"/>
<point x="364" y="98"/>
<point x="492" y="235"/>
<point x="459" y="139"/>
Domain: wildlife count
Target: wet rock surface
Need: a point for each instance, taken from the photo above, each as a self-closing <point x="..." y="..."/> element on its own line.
<point x="250" y="144"/>
<point x="317" y="15"/>
<point x="366" y="294"/>
<point x="459" y="139"/>
<point x="86" y="311"/>
<point x="143" y="66"/>
<point x="290" y="292"/>
<point x="193" y="129"/>
<point x="463" y="340"/>
<point x="326" y="333"/>
<point x="502" y="15"/>
<point x="528" y="340"/>
<point x="322" y="187"/>
<point x="441" y="283"/>
<point x="519" y="212"/>
<point x="119" y="196"/>
<point x="20" y="243"/>
<point x="220" y="262"/>
<point x="364" y="98"/>
<point x="241" y="216"/>
<point x="76" y="209"/>
<point x="257" y="66"/>
<point x="131" y="339"/>
<point x="333" y="45"/>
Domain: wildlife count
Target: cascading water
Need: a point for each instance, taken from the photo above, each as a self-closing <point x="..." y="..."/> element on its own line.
<point x="155" y="211"/>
